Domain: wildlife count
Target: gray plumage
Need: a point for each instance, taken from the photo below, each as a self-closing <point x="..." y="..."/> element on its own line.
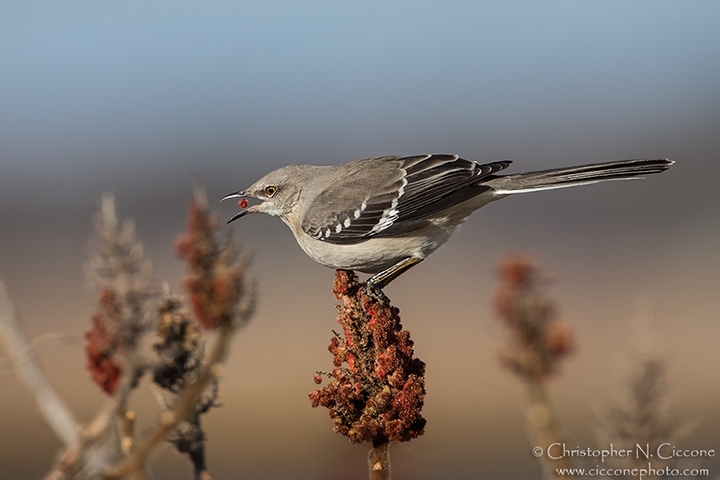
<point x="383" y="215"/>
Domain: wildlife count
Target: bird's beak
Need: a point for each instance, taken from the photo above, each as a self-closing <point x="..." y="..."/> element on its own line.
<point x="242" y="204"/>
<point x="240" y="214"/>
<point x="240" y="193"/>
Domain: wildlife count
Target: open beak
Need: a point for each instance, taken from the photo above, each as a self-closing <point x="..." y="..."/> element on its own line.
<point x="242" y="204"/>
<point x="240" y="214"/>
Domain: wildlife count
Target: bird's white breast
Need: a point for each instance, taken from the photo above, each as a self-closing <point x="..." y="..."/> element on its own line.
<point x="376" y="253"/>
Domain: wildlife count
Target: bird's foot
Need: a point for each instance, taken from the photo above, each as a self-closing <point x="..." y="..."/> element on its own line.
<point x="375" y="292"/>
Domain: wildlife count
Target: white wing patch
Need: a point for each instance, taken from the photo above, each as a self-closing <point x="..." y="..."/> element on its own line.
<point x="359" y="211"/>
<point x="425" y="186"/>
<point x="391" y="214"/>
<point x="323" y="235"/>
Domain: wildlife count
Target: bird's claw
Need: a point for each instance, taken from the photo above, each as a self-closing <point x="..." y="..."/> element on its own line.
<point x="375" y="292"/>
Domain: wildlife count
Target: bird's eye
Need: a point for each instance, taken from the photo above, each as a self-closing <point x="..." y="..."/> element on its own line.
<point x="270" y="190"/>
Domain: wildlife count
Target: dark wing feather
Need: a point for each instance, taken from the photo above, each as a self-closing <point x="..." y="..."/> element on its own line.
<point x="360" y="193"/>
<point x="394" y="192"/>
<point x="434" y="177"/>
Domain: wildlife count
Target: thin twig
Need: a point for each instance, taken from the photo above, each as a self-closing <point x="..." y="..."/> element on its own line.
<point x="33" y="347"/>
<point x="185" y="406"/>
<point x="89" y="456"/>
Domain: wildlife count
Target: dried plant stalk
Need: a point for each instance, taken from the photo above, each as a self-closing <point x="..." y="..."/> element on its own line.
<point x="535" y="345"/>
<point x="379" y="461"/>
<point x="377" y="388"/>
<point x="128" y="312"/>
<point x="639" y="413"/>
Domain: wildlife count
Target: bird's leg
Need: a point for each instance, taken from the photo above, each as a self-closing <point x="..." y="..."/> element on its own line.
<point x="377" y="282"/>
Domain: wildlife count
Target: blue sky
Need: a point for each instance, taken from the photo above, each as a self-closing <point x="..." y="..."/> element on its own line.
<point x="82" y="77"/>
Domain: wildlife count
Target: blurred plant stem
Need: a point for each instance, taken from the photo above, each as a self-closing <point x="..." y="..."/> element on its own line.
<point x="128" y="314"/>
<point x="27" y="368"/>
<point x="170" y="419"/>
<point x="638" y="411"/>
<point x="545" y="426"/>
<point x="535" y="345"/>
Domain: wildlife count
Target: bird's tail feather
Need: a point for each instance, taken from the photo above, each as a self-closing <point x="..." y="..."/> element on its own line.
<point x="582" y="175"/>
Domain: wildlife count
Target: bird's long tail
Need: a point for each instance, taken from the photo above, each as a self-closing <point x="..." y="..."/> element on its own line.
<point x="571" y="176"/>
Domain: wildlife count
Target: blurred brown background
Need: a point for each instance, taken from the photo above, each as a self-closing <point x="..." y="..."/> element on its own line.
<point x="134" y="98"/>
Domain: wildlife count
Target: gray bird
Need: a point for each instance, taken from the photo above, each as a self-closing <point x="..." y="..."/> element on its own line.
<point x="383" y="215"/>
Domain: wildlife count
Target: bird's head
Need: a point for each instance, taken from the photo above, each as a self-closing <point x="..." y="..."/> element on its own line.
<point x="277" y="191"/>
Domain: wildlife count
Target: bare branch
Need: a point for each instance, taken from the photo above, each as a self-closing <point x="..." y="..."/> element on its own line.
<point x="56" y="413"/>
<point x="185" y="406"/>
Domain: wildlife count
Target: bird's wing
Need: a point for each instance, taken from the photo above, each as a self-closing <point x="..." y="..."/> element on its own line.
<point x="370" y="196"/>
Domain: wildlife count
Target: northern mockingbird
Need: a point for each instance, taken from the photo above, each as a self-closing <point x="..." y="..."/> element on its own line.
<point x="383" y="215"/>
